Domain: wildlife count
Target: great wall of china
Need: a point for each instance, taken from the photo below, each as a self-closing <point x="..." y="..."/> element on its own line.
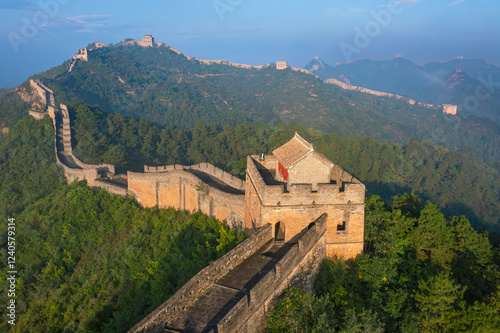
<point x="234" y="293"/>
<point x="447" y="108"/>
<point x="298" y="206"/>
<point x="148" y="41"/>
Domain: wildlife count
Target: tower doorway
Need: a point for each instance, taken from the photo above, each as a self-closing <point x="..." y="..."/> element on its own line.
<point x="279" y="232"/>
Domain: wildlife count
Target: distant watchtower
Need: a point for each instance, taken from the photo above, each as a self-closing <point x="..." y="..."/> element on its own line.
<point x="147" y="40"/>
<point x="294" y="186"/>
<point x="281" y="65"/>
<point x="82" y="55"/>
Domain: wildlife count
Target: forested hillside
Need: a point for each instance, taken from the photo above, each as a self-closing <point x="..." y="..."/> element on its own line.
<point x="167" y="88"/>
<point x="11" y="108"/>
<point x="458" y="181"/>
<point x="89" y="261"/>
<point x="94" y="262"/>
<point x="420" y="272"/>
<point x="86" y="260"/>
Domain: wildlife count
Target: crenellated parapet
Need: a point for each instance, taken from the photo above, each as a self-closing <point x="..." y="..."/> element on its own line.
<point x="190" y="188"/>
<point x="185" y="297"/>
<point x="347" y="190"/>
<point x="207" y="168"/>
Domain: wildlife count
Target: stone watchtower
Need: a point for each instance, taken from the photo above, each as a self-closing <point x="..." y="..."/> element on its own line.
<point x="147" y="41"/>
<point x="294" y="186"/>
<point x="281" y="64"/>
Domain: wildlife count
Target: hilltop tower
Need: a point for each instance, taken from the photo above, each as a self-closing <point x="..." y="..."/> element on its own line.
<point x="294" y="186"/>
<point x="147" y="40"/>
<point x="281" y="64"/>
<point x="82" y="55"/>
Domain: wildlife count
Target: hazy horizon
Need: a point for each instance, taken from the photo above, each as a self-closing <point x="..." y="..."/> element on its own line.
<point x="38" y="35"/>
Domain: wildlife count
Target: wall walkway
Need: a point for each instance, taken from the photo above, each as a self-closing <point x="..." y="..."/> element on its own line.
<point x="233" y="293"/>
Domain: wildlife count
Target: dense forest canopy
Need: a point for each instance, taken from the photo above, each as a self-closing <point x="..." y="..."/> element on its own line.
<point x="419" y="273"/>
<point x="89" y="261"/>
<point x="457" y="181"/>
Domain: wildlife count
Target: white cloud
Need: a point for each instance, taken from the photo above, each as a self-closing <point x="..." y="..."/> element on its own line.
<point x="87" y="23"/>
<point x="454" y="3"/>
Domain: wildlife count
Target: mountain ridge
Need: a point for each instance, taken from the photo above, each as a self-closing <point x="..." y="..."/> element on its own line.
<point x="164" y="86"/>
<point x="430" y="83"/>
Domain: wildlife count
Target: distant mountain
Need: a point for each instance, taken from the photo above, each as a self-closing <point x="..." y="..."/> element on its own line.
<point x="167" y="87"/>
<point x="452" y="82"/>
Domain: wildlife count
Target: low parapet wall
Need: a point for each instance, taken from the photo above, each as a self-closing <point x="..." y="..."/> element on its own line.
<point x="207" y="168"/>
<point x="298" y="267"/>
<point x="111" y="188"/>
<point x="99" y="167"/>
<point x="188" y="294"/>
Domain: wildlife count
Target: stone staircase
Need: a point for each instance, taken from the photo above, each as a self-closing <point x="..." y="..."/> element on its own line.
<point x="72" y="64"/>
<point x="63" y="141"/>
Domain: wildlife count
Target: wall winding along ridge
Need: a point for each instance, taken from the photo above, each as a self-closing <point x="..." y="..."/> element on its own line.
<point x="198" y="187"/>
<point x="233" y="293"/>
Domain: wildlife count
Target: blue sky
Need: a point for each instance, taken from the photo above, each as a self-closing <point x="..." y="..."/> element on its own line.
<point x="39" y="34"/>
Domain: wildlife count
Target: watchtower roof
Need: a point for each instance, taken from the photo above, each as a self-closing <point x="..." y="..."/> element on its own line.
<point x="293" y="151"/>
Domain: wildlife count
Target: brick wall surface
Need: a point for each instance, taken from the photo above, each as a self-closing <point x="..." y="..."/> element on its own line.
<point x="181" y="189"/>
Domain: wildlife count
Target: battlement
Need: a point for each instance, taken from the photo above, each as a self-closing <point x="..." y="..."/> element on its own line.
<point x="82" y="54"/>
<point x="296" y="268"/>
<point x="274" y="193"/>
<point x="188" y="188"/>
<point x="228" y="63"/>
<point x="296" y="264"/>
<point x="147" y="41"/>
<point x="410" y="101"/>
